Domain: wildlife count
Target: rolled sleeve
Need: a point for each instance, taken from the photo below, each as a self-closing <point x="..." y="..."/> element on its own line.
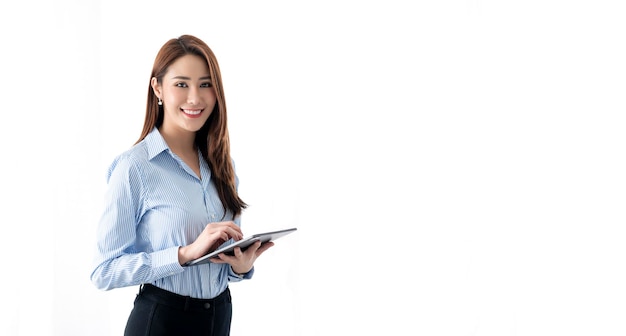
<point x="234" y="277"/>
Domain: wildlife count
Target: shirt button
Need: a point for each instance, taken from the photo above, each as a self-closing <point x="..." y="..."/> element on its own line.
<point x="207" y="305"/>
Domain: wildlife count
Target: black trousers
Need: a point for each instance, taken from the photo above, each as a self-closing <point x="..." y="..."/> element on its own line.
<point x="157" y="312"/>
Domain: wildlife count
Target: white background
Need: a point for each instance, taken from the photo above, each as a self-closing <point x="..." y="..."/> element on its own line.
<point x="454" y="167"/>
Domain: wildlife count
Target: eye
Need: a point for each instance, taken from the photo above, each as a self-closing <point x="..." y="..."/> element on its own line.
<point x="181" y="84"/>
<point x="206" y="85"/>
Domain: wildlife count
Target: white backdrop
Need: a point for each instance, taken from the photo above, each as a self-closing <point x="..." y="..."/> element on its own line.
<point x="454" y="167"/>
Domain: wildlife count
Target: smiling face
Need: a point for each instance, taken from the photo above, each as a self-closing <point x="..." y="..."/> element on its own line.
<point x="187" y="94"/>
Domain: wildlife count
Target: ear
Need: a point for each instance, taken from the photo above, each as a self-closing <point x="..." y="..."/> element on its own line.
<point x="156" y="87"/>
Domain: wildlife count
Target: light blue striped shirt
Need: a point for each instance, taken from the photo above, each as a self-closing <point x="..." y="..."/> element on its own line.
<point x="154" y="204"/>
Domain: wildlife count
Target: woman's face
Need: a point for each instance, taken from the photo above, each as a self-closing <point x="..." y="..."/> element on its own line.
<point x="187" y="94"/>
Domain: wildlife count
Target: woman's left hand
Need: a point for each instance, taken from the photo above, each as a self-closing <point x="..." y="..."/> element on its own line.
<point x="243" y="261"/>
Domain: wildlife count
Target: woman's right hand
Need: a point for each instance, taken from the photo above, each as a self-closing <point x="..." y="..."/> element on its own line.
<point x="213" y="235"/>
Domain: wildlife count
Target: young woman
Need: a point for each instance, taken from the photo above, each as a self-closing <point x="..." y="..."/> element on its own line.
<point x="172" y="198"/>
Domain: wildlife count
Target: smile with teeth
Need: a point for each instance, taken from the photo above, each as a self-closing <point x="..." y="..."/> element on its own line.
<point x="192" y="112"/>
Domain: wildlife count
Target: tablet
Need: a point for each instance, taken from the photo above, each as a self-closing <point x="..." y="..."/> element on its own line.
<point x="243" y="244"/>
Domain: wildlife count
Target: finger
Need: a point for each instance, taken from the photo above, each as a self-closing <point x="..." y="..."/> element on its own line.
<point x="219" y="240"/>
<point x="225" y="226"/>
<point x="227" y="258"/>
<point x="232" y="231"/>
<point x="217" y="260"/>
<point x="253" y="247"/>
<point x="231" y="225"/>
<point x="235" y="234"/>
<point x="221" y="237"/>
<point x="264" y="248"/>
<point x="224" y="236"/>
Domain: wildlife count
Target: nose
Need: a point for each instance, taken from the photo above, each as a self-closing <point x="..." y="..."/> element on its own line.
<point x="192" y="97"/>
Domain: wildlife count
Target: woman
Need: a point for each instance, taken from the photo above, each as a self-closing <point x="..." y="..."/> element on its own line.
<point x="172" y="198"/>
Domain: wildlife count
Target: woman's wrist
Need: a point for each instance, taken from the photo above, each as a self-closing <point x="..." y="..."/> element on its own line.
<point x="182" y="259"/>
<point x="241" y="274"/>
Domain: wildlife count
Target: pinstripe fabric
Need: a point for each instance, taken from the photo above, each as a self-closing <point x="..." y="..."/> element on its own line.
<point x="154" y="204"/>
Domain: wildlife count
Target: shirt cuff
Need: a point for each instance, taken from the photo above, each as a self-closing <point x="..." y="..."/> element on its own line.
<point x="165" y="262"/>
<point x="237" y="277"/>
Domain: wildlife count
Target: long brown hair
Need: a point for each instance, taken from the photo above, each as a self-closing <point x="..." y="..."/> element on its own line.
<point x="212" y="139"/>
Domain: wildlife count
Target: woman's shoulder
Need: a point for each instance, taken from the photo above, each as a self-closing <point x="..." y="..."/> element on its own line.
<point x="135" y="157"/>
<point x="137" y="153"/>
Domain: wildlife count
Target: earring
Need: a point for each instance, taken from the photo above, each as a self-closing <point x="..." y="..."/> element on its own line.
<point x="160" y="102"/>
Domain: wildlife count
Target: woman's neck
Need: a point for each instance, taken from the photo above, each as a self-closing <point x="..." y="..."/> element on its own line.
<point x="182" y="143"/>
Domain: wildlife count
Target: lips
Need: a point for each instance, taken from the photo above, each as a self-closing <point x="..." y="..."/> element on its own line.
<point x="195" y="113"/>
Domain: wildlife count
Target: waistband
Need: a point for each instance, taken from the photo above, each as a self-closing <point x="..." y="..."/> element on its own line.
<point x="181" y="302"/>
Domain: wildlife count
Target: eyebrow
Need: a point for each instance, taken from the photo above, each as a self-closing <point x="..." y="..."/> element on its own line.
<point x="187" y="78"/>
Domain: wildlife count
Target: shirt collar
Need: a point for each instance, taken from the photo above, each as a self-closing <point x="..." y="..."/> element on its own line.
<point x="155" y="143"/>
